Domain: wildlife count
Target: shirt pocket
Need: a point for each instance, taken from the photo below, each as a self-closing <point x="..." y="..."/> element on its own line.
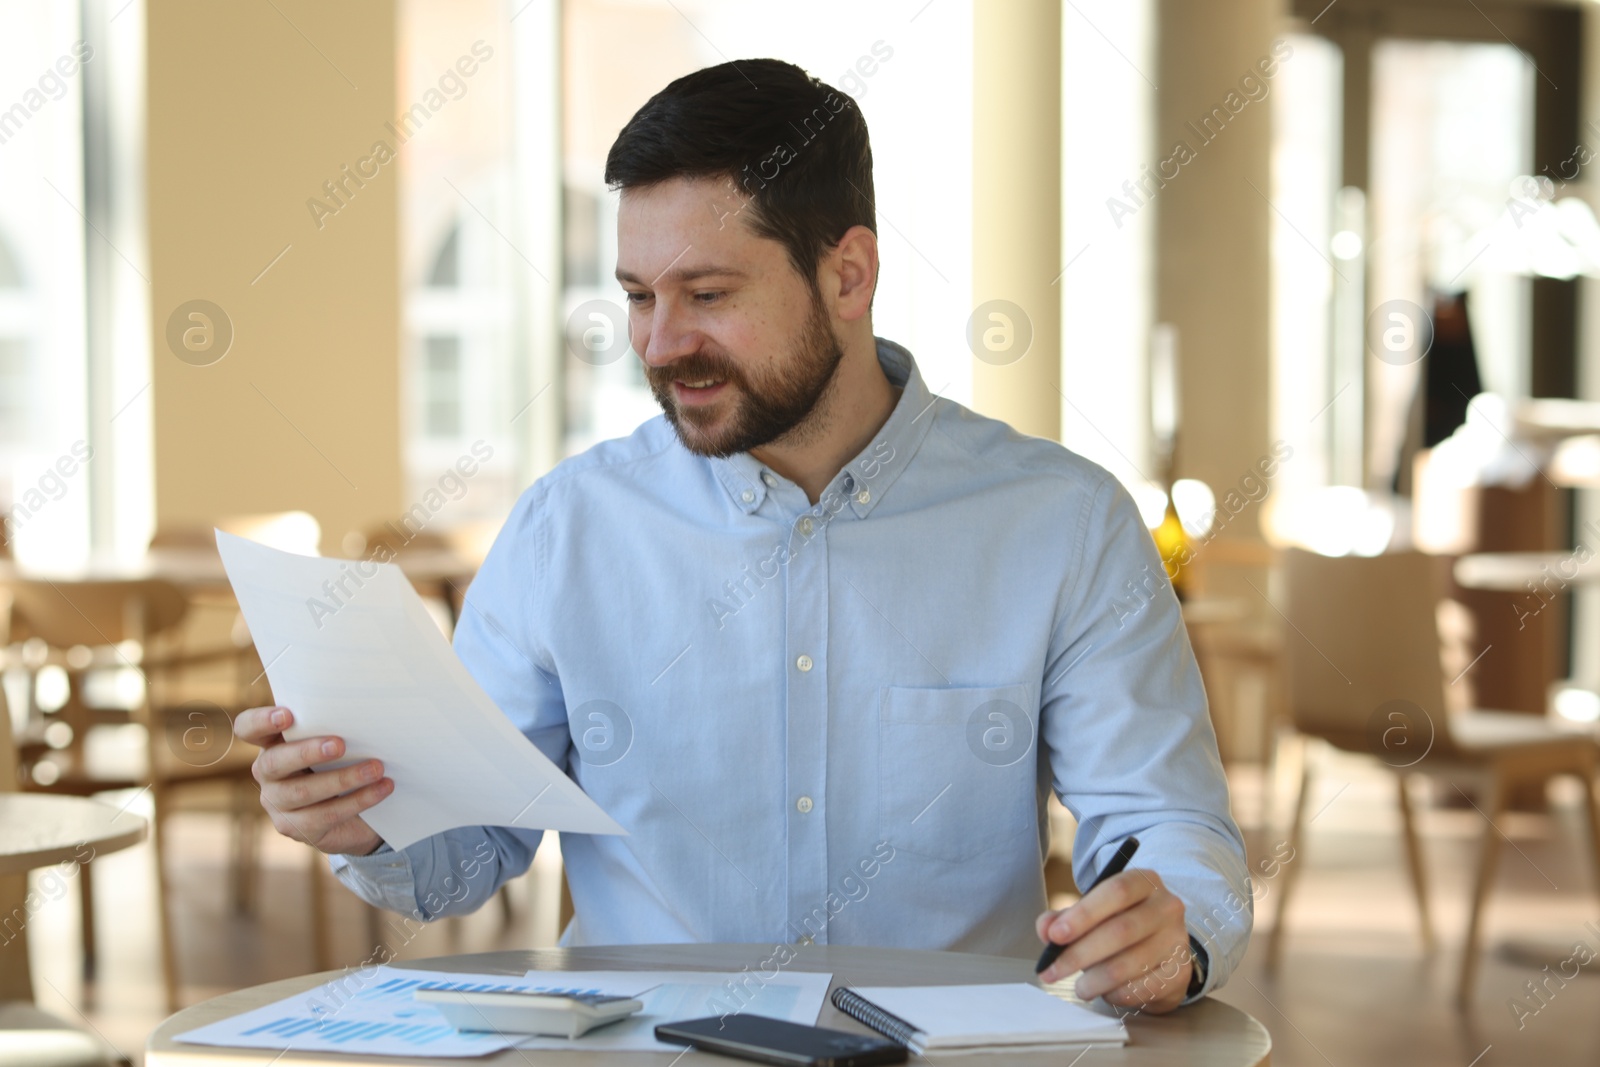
<point x="957" y="768"/>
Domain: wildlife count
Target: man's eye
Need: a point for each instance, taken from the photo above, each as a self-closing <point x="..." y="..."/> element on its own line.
<point x="642" y="297"/>
<point x="708" y="298"/>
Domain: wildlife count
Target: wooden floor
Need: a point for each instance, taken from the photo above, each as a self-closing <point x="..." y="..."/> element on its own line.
<point x="1355" y="988"/>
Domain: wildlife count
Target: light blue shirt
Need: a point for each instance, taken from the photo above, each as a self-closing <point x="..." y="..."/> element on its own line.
<point x="840" y="722"/>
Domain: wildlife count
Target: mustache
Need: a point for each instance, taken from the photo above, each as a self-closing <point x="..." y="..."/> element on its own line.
<point x="693" y="370"/>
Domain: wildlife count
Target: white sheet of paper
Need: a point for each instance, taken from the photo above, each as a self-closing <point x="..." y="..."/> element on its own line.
<point x="993" y="1015"/>
<point x="351" y="650"/>
<point x="373" y="1012"/>
<point x="677" y="996"/>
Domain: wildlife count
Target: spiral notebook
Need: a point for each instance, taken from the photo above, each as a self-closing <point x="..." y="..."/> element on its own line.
<point x="977" y="1018"/>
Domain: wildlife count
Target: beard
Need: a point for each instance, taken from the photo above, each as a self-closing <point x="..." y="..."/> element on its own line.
<point x="767" y="408"/>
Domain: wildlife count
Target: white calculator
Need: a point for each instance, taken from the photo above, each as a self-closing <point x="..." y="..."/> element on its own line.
<point x="528" y="1012"/>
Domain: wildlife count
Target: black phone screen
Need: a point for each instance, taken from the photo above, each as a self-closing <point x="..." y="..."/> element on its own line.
<point x="767" y="1040"/>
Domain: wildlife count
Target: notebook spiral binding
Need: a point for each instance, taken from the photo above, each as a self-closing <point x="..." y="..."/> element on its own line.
<point x="864" y="1011"/>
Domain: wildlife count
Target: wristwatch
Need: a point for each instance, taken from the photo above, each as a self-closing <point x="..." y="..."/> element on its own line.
<point x="1197" y="971"/>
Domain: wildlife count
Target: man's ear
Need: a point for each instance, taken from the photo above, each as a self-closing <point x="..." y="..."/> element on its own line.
<point x="852" y="268"/>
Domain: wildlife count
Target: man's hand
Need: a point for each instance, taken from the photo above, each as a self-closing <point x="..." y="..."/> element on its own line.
<point x="1127" y="937"/>
<point x="323" y="810"/>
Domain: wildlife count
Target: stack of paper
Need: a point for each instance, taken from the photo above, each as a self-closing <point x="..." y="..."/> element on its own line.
<point x="1011" y="1017"/>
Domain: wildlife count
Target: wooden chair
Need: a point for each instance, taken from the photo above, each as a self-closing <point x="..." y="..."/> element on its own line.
<point x="214" y="612"/>
<point x="1363" y="658"/>
<point x="28" y="1035"/>
<point x="1238" y="651"/>
<point x="93" y="626"/>
<point x="291" y="531"/>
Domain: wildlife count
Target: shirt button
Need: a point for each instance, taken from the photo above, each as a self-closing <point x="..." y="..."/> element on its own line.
<point x="803" y="804"/>
<point x="747" y="496"/>
<point x="806" y="939"/>
<point x="864" y="496"/>
<point x="767" y="477"/>
<point x="805" y="527"/>
<point x="804" y="662"/>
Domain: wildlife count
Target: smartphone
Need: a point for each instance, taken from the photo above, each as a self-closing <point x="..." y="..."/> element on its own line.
<point x="766" y="1040"/>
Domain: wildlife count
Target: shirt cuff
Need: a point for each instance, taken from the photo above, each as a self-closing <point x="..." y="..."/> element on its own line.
<point x="383" y="878"/>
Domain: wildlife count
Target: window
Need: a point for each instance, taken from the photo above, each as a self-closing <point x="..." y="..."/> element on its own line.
<point x="442" y="385"/>
<point x="43" y="363"/>
<point x="16" y="357"/>
<point x="472" y="249"/>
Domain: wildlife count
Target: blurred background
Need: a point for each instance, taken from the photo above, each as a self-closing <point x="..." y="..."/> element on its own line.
<point x="1313" y="279"/>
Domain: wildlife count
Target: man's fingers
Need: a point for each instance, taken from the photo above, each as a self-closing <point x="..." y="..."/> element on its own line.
<point x="1145" y="974"/>
<point x="1042" y="923"/>
<point x="1115" y="934"/>
<point x="1117" y="893"/>
<point x="331" y="813"/>
<point x="355" y="803"/>
<point x="262" y="726"/>
<point x="303" y="790"/>
<point x="311" y="824"/>
<point x="292" y="757"/>
<point x="318" y="809"/>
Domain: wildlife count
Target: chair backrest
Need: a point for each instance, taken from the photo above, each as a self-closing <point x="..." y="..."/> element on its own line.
<point x="65" y="613"/>
<point x="292" y="531"/>
<point x="1362" y="651"/>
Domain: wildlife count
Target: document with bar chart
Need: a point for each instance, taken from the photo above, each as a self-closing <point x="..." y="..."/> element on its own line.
<point x="372" y="1012"/>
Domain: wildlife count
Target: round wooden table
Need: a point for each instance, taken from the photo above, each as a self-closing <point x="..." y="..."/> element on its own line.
<point x="37" y="830"/>
<point x="1206" y="1034"/>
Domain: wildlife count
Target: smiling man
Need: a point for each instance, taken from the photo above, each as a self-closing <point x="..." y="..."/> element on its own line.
<point x="821" y="641"/>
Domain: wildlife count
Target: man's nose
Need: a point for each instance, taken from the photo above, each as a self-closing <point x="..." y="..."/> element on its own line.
<point x="671" y="336"/>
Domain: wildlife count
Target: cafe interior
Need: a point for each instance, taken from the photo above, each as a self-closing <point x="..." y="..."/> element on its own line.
<point x="1312" y="279"/>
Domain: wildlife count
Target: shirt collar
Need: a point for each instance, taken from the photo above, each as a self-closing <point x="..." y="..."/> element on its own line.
<point x="866" y="479"/>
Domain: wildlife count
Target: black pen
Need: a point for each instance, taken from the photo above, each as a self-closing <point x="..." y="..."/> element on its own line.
<point x="1053" y="951"/>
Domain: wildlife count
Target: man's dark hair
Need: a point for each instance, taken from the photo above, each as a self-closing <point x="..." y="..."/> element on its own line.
<point x="795" y="150"/>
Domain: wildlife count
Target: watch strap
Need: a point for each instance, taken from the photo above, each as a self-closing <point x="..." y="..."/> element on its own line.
<point x="1199" y="966"/>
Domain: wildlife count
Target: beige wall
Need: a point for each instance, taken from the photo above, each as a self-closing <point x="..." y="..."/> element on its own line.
<point x="250" y="112"/>
<point x="1212" y="256"/>
<point x="1016" y="206"/>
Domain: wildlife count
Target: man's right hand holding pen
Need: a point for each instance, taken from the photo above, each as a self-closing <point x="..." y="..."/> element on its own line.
<point x="1127" y="936"/>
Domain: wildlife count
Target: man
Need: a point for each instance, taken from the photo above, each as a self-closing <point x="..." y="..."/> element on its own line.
<point x="820" y="640"/>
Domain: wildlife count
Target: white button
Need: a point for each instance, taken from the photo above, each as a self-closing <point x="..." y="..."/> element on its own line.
<point x="804" y="662"/>
<point x="747" y="496"/>
<point x="806" y="940"/>
<point x="864" y="496"/>
<point x="803" y="804"/>
<point x="805" y="527"/>
<point x="767" y="477"/>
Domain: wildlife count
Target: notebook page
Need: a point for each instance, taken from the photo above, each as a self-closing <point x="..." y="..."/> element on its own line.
<point x="1013" y="1013"/>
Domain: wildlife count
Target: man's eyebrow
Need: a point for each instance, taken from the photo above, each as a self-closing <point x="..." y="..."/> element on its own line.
<point x="684" y="274"/>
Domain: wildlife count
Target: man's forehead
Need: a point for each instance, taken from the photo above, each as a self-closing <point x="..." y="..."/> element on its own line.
<point x="683" y="229"/>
